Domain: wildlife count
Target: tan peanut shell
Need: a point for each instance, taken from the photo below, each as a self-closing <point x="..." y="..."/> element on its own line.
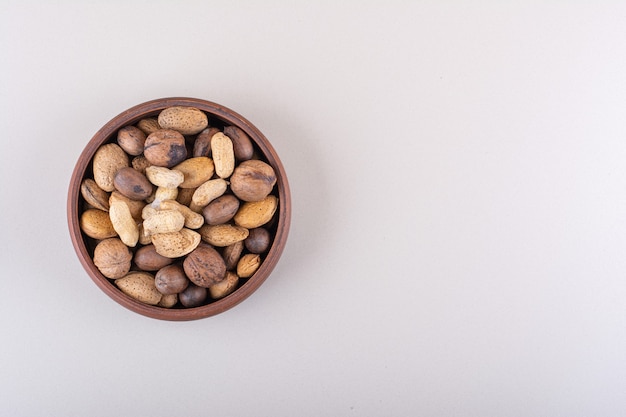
<point x="195" y="171"/>
<point x="140" y="286"/>
<point x="223" y="155"/>
<point x="107" y="160"/>
<point x="94" y="195"/>
<point x="163" y="221"/>
<point x="222" y="235"/>
<point x="135" y="206"/>
<point x="163" y="193"/>
<point x="124" y="224"/>
<point x="176" y="244"/>
<point x="96" y="224"/>
<point x="206" y="193"/>
<point x="144" y="239"/>
<point x="164" y="177"/>
<point x="193" y="220"/>
<point x="148" y="210"/>
<point x="257" y="213"/>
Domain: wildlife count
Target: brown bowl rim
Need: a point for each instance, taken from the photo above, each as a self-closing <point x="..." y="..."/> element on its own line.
<point x="150" y="109"/>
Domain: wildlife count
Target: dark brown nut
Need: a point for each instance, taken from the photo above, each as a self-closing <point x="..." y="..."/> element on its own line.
<point x="221" y="210"/>
<point x="97" y="224"/>
<point x="171" y="280"/>
<point x="94" y="195"/>
<point x="132" y="184"/>
<point x="148" y="259"/>
<point x="165" y="148"/>
<point x="204" y="266"/>
<point x="185" y="195"/>
<point x="258" y="240"/>
<point x="252" y="180"/>
<point x="231" y="254"/>
<point x="202" y="145"/>
<point x="112" y="257"/>
<point x="149" y="125"/>
<point x="184" y="119"/>
<point x="131" y="139"/>
<point x="224" y="287"/>
<point x="242" y="144"/>
<point x="193" y="296"/>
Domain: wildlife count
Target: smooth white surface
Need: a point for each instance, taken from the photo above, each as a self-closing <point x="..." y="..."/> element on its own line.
<point x="458" y="241"/>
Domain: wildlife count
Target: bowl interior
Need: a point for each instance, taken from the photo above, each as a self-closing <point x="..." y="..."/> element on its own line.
<point x="219" y="116"/>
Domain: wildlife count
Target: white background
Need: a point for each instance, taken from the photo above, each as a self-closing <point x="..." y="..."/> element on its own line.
<point x="458" y="172"/>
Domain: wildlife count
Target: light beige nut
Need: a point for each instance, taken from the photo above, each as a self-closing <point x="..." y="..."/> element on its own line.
<point x="144" y="239"/>
<point x="140" y="286"/>
<point x="94" y="195"/>
<point x="206" y="193"/>
<point x="257" y="213"/>
<point x="135" y="206"/>
<point x="223" y="155"/>
<point x="163" y="193"/>
<point x="168" y="301"/>
<point x="112" y="258"/>
<point x="163" y="221"/>
<point x="248" y="265"/>
<point x="124" y="224"/>
<point x="193" y="220"/>
<point x="148" y="211"/>
<point x="148" y="125"/>
<point x="164" y="177"/>
<point x="225" y="286"/>
<point x="96" y="224"/>
<point x="196" y="171"/>
<point x="107" y="160"/>
<point x="186" y="120"/>
<point x="140" y="163"/>
<point x="222" y="235"/>
<point x="176" y="244"/>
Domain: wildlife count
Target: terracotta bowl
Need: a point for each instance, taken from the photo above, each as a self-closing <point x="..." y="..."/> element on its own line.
<point x="218" y="116"/>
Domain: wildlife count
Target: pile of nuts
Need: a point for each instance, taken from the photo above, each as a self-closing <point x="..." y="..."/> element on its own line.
<point x="174" y="231"/>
